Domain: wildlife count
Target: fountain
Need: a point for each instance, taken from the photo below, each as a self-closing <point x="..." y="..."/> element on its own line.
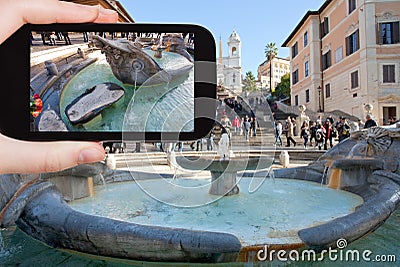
<point x="30" y="202"/>
<point x="128" y="78"/>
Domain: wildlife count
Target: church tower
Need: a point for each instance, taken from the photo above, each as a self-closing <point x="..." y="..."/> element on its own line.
<point x="229" y="68"/>
<point x="235" y="50"/>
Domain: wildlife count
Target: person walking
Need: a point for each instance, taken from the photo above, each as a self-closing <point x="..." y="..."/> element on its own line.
<point x="328" y="134"/>
<point x="278" y="133"/>
<point x="236" y="125"/>
<point x="289" y="132"/>
<point x="246" y="129"/>
<point x="313" y="133"/>
<point x="304" y="133"/>
<point x="254" y="126"/>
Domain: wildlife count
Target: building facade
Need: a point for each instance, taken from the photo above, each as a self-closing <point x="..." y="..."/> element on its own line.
<point x="229" y="68"/>
<point x="280" y="67"/>
<point x="346" y="56"/>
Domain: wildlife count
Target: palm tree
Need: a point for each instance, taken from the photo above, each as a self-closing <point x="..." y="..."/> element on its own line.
<point x="270" y="52"/>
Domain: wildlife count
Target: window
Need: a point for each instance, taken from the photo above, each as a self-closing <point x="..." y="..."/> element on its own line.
<point x="306" y="69"/>
<point x="307" y="95"/>
<point x="326" y="60"/>
<point x="352" y="5"/>
<point x="354" y="79"/>
<point x="295" y="50"/>
<point x="388" y="33"/>
<point x="234" y="51"/>
<point x="295" y="77"/>
<point x="296" y="100"/>
<point x="352" y="43"/>
<point x="389" y="74"/>
<point x="338" y="54"/>
<point x="324" y="27"/>
<point x="305" y="39"/>
<point x="328" y="90"/>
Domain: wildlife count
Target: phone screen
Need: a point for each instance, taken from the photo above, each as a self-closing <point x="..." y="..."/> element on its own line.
<point x="111" y="82"/>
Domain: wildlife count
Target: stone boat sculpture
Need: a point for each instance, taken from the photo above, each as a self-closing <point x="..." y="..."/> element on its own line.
<point x="132" y="64"/>
<point x="367" y="164"/>
<point x="93" y="101"/>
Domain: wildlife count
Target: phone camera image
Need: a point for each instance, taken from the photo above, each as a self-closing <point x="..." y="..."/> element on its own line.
<point x="112" y="81"/>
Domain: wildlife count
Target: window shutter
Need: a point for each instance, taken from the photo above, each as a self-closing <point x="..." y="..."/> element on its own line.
<point x="357" y="40"/>
<point x="379" y="37"/>
<point x="385" y="73"/>
<point x="396" y="32"/>
<point x="348" y="41"/>
<point x="329" y="59"/>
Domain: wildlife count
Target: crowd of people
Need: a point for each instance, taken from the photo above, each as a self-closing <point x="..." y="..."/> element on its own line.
<point x="321" y="133"/>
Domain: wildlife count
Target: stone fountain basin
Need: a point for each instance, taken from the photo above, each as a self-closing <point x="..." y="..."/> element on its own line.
<point x="350" y="163"/>
<point x="229" y="165"/>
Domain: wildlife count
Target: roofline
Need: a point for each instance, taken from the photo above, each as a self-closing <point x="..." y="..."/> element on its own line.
<point x="287" y="59"/>
<point x="306" y="16"/>
<point x="121" y="10"/>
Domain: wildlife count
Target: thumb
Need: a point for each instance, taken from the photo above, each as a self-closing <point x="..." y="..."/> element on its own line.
<point x="39" y="157"/>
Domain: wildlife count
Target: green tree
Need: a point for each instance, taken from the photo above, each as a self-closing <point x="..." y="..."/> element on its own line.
<point x="283" y="88"/>
<point x="250" y="82"/>
<point x="270" y="52"/>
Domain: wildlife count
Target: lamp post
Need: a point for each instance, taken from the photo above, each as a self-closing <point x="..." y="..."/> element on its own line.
<point x="319" y="98"/>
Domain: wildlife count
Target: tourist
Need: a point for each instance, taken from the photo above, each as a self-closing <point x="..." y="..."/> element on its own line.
<point x="246" y="128"/>
<point x="328" y="129"/>
<point x="320" y="136"/>
<point x="304" y="133"/>
<point x="241" y="126"/>
<point x="210" y="141"/>
<point x="39" y="157"/>
<point x="66" y="38"/>
<point x="236" y="125"/>
<point x="53" y="39"/>
<point x="313" y="133"/>
<point x="253" y="126"/>
<point x="226" y="123"/>
<point x="278" y="133"/>
<point x="369" y="122"/>
<point x="289" y="132"/>
<point x="343" y="129"/>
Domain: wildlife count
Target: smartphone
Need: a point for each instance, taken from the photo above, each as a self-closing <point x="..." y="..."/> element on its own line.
<point x="139" y="82"/>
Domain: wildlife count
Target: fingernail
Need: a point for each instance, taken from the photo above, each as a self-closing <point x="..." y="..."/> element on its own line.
<point x="106" y="11"/>
<point x="90" y="155"/>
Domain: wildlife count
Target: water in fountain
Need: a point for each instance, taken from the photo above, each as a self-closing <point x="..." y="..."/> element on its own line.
<point x="103" y="181"/>
<point x="324" y="175"/>
<point x="1" y="244"/>
<point x="155" y="101"/>
<point x="22" y="250"/>
<point x="265" y="216"/>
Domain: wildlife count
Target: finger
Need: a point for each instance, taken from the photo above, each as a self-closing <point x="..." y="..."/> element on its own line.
<point x="41" y="157"/>
<point x="106" y="16"/>
<point x="15" y="13"/>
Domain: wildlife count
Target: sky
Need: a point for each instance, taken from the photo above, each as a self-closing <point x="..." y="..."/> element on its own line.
<point x="257" y="22"/>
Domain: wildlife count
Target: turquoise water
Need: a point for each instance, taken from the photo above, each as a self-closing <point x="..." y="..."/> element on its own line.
<point x="19" y="249"/>
<point x="148" y="106"/>
<point x="256" y="218"/>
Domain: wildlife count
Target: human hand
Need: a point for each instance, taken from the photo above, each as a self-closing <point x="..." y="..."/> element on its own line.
<point x="37" y="157"/>
<point x="40" y="157"/>
<point x="15" y="13"/>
